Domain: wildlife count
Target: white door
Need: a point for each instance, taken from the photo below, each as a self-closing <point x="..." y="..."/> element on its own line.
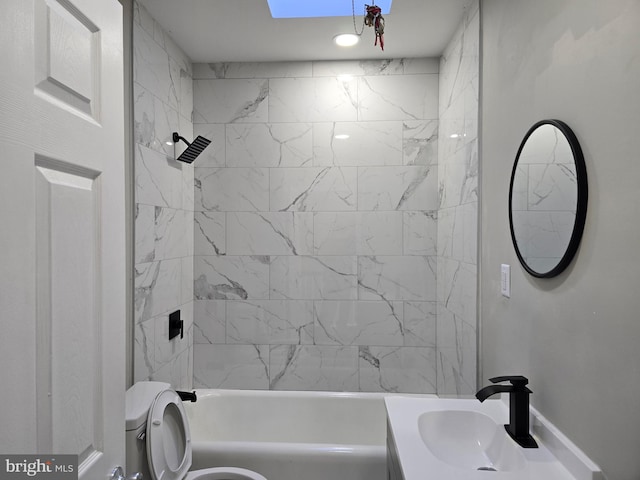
<point x="62" y="242"/>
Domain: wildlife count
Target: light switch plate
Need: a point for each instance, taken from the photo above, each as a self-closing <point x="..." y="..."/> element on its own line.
<point x="505" y="280"/>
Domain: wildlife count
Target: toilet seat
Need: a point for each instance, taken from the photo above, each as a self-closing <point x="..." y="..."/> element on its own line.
<point x="224" y="473"/>
<point x="168" y="438"/>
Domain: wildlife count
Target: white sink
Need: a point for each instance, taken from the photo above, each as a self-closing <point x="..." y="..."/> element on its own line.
<point x="471" y="440"/>
<point x="463" y="439"/>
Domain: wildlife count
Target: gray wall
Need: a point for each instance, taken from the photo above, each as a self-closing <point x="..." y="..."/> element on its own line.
<point x="577" y="337"/>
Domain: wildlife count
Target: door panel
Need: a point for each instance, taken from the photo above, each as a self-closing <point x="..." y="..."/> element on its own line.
<point x="62" y="246"/>
<point x="68" y="321"/>
<point x="67" y="57"/>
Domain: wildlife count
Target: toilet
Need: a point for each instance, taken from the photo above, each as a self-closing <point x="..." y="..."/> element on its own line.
<point x="158" y="439"/>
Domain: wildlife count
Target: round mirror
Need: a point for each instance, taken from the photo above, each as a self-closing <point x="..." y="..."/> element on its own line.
<point x="548" y="198"/>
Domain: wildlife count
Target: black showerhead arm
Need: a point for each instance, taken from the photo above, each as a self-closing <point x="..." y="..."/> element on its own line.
<point x="177" y="138"/>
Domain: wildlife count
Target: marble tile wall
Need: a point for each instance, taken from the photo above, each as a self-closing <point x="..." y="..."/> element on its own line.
<point x="458" y="210"/>
<point x="315" y="226"/>
<point x="163" y="251"/>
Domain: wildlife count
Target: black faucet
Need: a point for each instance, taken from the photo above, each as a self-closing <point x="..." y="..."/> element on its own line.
<point x="518" y="427"/>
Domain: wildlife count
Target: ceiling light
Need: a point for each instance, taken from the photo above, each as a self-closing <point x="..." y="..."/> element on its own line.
<point x="346" y="39"/>
<point x="341" y="136"/>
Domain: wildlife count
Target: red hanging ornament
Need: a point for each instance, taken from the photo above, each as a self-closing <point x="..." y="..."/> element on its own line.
<point x="374" y="19"/>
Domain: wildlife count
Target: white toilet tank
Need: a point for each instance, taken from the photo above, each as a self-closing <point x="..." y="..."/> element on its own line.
<point x="138" y="400"/>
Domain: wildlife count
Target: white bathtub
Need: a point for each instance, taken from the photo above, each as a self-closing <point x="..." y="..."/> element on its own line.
<point x="291" y="435"/>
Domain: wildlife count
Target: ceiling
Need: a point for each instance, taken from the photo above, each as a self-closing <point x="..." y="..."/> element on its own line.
<point x="211" y="31"/>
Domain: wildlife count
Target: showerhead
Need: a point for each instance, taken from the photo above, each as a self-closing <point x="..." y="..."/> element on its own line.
<point x="194" y="148"/>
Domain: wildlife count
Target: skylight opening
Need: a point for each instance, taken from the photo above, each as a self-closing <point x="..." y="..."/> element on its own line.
<point x="326" y="8"/>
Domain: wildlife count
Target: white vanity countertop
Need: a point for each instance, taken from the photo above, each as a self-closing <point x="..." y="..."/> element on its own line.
<point x="418" y="462"/>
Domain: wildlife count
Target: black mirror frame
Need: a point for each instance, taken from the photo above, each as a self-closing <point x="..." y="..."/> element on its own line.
<point x="581" y="204"/>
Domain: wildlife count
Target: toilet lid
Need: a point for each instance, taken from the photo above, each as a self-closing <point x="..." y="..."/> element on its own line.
<point x="168" y="438"/>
